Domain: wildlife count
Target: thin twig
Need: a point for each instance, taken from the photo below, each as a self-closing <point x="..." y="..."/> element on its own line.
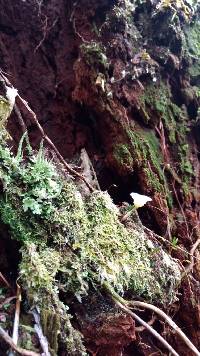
<point x="168" y="320"/>
<point x="182" y="211"/>
<point x="15" y="334"/>
<point x="10" y="342"/>
<point x="189" y="268"/>
<point x="168" y="242"/>
<point x="5" y="280"/>
<point x="148" y="327"/>
<point x="50" y="143"/>
<point x="46" y="31"/>
<point x="47" y="139"/>
<point x="7" y="301"/>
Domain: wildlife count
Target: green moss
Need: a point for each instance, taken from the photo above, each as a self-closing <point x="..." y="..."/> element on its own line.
<point x="94" y="54"/>
<point x="158" y="100"/>
<point x="122" y="154"/>
<point x="192" y="47"/>
<point x="146" y="152"/>
<point x="70" y="242"/>
<point x="4" y="110"/>
<point x="83" y="239"/>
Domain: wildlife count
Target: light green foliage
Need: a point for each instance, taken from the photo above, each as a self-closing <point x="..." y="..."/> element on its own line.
<point x="124" y="12"/>
<point x="5" y="111"/>
<point x="42" y="266"/>
<point x="177" y="7"/>
<point x="30" y="188"/>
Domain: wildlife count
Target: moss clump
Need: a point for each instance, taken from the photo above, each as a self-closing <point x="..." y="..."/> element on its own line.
<point x="147" y="155"/>
<point x="38" y="270"/>
<point x="175" y="122"/>
<point x="94" y="54"/>
<point x="157" y="99"/>
<point x="99" y="246"/>
<point x="4" y="110"/>
<point x="122" y="155"/>
<point x="192" y="49"/>
<point x="73" y="243"/>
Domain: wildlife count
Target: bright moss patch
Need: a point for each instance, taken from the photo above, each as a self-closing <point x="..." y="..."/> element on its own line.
<point x="74" y="242"/>
<point x="87" y="233"/>
<point x="147" y="155"/>
<point x="175" y="123"/>
<point x="192" y="48"/>
<point x="123" y="155"/>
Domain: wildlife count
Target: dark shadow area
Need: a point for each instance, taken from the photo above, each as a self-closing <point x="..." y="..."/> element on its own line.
<point x="9" y="255"/>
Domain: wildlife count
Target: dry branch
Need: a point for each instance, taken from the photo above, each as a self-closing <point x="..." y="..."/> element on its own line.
<point x="50" y="143"/>
<point x="45" y="137"/>
<point x="7" y="301"/>
<point x="10" y="342"/>
<point x="17" y="314"/>
<point x="189" y="268"/>
<point x="5" y="280"/>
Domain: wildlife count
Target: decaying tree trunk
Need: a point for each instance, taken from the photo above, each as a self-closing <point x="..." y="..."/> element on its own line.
<point x="113" y="89"/>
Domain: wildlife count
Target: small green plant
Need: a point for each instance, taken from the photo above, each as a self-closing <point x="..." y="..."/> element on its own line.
<point x="174" y="242"/>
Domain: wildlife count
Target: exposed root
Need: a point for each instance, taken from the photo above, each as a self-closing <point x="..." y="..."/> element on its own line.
<point x="139" y="329"/>
<point x="126" y="305"/>
<point x="168" y="320"/>
<point x="148" y="327"/>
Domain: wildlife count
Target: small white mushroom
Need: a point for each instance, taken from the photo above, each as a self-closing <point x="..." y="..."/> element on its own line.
<point x="139" y="200"/>
<point x="11" y="94"/>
